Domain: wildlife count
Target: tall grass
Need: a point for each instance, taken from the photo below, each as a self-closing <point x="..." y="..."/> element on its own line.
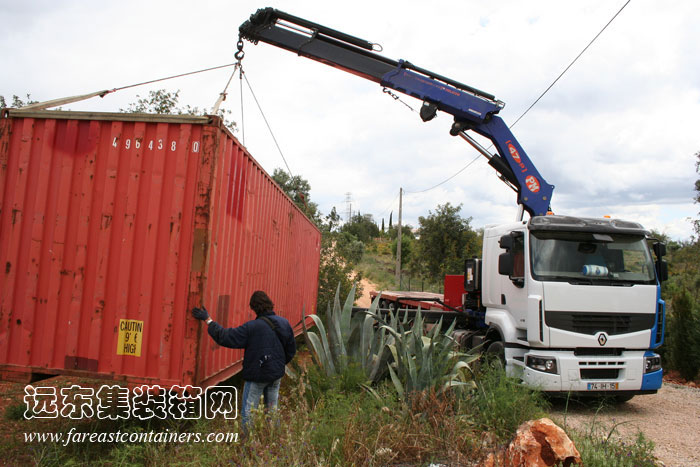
<point x="500" y="404"/>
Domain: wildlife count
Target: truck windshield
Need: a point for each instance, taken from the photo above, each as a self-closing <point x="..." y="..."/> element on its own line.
<point x="591" y="258"/>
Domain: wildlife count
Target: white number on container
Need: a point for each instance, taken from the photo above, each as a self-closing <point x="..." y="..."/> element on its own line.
<point x="195" y="146"/>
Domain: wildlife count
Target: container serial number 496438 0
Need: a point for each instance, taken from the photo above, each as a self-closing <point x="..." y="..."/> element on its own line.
<point x="159" y="144"/>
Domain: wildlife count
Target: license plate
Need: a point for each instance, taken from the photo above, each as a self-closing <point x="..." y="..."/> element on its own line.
<point x="603" y="386"/>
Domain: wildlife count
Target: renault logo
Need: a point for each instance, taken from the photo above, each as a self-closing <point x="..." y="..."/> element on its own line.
<point x="602" y="339"/>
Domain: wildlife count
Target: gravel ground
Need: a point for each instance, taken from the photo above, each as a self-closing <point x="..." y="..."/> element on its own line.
<point x="670" y="418"/>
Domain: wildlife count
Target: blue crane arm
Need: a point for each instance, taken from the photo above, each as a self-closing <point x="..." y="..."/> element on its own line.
<point x="472" y="109"/>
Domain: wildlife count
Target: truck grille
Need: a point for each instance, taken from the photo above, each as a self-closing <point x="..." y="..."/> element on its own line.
<point x="593" y="323"/>
<point x="600" y="373"/>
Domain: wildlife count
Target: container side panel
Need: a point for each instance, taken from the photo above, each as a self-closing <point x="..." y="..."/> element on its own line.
<point x="42" y="345"/>
<point x="259" y="241"/>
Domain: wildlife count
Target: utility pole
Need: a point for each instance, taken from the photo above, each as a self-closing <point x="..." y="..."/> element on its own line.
<point x="398" y="242"/>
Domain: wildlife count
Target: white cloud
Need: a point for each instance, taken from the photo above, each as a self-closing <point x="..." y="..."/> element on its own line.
<point x="616" y="135"/>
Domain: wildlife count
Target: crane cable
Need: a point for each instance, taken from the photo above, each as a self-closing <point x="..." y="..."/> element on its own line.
<point x="269" y="128"/>
<point x="536" y="100"/>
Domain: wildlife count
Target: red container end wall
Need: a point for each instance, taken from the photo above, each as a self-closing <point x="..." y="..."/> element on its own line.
<point x="113" y="226"/>
<point x="454" y="290"/>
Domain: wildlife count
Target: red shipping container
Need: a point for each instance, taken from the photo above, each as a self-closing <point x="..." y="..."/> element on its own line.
<point x="113" y="226"/>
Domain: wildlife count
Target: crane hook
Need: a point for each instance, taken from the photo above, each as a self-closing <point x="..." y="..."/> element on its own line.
<point x="240" y="54"/>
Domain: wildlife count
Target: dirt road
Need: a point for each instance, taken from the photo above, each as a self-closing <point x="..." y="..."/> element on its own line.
<point x="365" y="300"/>
<point x="670" y="418"/>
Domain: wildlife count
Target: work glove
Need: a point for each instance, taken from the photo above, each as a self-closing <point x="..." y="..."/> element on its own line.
<point x="200" y="313"/>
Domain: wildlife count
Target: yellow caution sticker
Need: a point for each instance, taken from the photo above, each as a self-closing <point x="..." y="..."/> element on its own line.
<point x="130" y="337"/>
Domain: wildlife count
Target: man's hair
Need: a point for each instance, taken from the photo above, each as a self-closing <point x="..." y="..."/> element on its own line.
<point x="260" y="303"/>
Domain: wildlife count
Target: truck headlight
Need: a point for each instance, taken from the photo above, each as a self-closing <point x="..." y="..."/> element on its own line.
<point x="652" y="364"/>
<point x="544" y="364"/>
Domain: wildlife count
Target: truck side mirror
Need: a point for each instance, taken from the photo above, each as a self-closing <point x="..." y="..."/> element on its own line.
<point x="506" y="242"/>
<point x="662" y="269"/>
<point x="505" y="264"/>
<point x="659" y="249"/>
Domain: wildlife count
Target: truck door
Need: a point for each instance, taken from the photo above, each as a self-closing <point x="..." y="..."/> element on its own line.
<point x="513" y="289"/>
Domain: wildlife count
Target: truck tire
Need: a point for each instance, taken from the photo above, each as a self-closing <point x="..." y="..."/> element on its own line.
<point x="496" y="352"/>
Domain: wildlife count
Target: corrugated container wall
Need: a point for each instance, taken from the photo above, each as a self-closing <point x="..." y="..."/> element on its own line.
<point x="113" y="226"/>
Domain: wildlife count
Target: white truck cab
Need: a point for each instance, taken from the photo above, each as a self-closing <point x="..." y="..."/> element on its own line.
<point x="575" y="304"/>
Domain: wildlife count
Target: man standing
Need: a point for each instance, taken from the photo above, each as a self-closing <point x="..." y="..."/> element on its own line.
<point x="269" y="345"/>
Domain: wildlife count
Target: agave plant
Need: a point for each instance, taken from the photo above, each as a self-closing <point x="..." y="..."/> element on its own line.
<point x="426" y="361"/>
<point x="346" y="339"/>
<point x="414" y="361"/>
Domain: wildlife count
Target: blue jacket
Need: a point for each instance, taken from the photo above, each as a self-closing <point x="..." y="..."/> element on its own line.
<point x="266" y="354"/>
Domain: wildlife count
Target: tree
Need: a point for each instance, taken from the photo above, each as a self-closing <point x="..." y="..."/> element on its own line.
<point x="298" y="189"/>
<point x="337" y="256"/>
<point x="684" y="335"/>
<point x="683" y="288"/>
<point x="362" y="227"/>
<point x="16" y="102"/>
<point x="333" y="220"/>
<point x="445" y="241"/>
<point x="166" y="102"/>
<point x="407" y="245"/>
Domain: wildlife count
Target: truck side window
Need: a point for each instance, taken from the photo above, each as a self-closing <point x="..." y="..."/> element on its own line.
<point x="518" y="257"/>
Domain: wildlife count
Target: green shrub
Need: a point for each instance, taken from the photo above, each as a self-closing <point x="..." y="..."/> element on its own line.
<point x="684" y="335"/>
<point x="598" y="448"/>
<point x="15" y="411"/>
<point x="500" y="404"/>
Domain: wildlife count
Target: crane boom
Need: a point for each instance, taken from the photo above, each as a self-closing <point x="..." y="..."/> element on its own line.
<point x="472" y="109"/>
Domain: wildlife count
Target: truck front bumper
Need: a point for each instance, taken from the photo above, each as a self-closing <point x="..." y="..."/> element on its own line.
<point x="593" y="374"/>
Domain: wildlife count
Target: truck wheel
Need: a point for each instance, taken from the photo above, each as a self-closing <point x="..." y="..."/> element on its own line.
<point x="496" y="352"/>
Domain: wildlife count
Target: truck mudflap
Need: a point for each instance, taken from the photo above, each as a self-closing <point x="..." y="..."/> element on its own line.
<point x="593" y="375"/>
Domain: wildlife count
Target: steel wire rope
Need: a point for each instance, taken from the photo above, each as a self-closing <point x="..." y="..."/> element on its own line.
<point x="173" y="76"/>
<point x="240" y="79"/>
<point x="535" y="102"/>
<point x="245" y="77"/>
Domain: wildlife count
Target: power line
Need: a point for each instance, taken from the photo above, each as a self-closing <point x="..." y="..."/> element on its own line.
<point x="448" y="179"/>
<point x="571" y="64"/>
<point x="536" y="100"/>
<point x="390" y="205"/>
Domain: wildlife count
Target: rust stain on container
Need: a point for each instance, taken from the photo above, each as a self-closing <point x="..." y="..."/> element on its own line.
<point x="127" y="218"/>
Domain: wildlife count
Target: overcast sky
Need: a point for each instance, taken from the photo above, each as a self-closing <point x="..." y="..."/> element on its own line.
<point x="616" y="135"/>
